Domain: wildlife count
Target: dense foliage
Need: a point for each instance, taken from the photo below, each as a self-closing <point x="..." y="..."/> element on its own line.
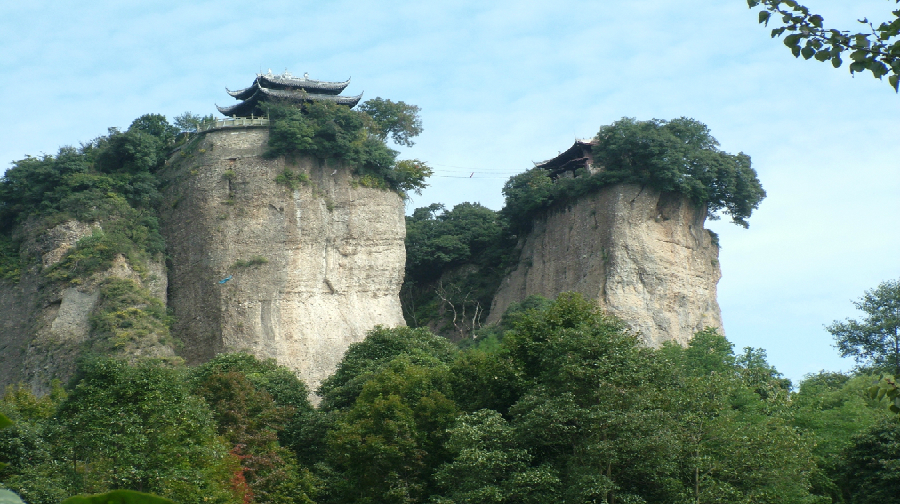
<point x="330" y="131"/>
<point x="875" y="50"/>
<point x="559" y="403"/>
<point x="677" y="156"/>
<point x="109" y="182"/>
<point x="454" y="262"/>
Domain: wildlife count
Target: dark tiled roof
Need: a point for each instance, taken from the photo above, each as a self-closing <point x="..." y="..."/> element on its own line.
<point x="287" y="81"/>
<point x="251" y="104"/>
<point x="577" y="156"/>
<point x="289" y="87"/>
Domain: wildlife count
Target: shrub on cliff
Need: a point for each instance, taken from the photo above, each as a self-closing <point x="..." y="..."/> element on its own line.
<point x="679" y="156"/>
<point x="330" y="131"/>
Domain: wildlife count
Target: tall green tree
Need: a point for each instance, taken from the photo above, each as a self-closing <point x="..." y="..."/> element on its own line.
<point x="249" y="420"/>
<point x="128" y="427"/>
<point x="398" y="119"/>
<point x="832" y="408"/>
<point x="382" y="345"/>
<point x="872" y="465"/>
<point x="875" y="49"/>
<point x="386" y="447"/>
<point x="874" y="340"/>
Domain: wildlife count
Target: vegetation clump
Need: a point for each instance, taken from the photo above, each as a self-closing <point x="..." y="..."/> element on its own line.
<point x="249" y="263"/>
<point x="291" y="179"/>
<point x="678" y="156"/>
<point x="127" y="318"/>
<point x="330" y="131"/>
<point x="110" y="181"/>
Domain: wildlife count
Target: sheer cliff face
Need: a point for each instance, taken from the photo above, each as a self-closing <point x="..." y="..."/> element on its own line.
<point x="644" y="256"/>
<point x="296" y="274"/>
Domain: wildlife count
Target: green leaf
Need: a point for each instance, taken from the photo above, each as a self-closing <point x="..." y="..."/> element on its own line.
<point x="878" y="69"/>
<point x="795" y="50"/>
<point x="816" y="20"/>
<point x="823" y="55"/>
<point x="807" y="52"/>
<point x="792" y="40"/>
<point x="764" y="17"/>
<point x="4" y="421"/>
<point x="857" y="66"/>
<point x="836" y="61"/>
<point x="859" y="55"/>
<point x="894" y="81"/>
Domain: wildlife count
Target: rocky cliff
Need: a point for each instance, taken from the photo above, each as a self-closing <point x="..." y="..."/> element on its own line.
<point x="295" y="270"/>
<point x="46" y="325"/>
<point x="643" y="255"/>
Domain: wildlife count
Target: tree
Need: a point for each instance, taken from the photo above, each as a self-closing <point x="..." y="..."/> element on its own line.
<point x="156" y="125"/>
<point x="872" y="465"/>
<point x="399" y="120"/>
<point x="874" y="341"/>
<point x="387" y="445"/>
<point x="192" y="123"/>
<point x="833" y="408"/>
<point x="138" y="428"/>
<point x="331" y="131"/>
<point x="877" y="51"/>
<point x="249" y="420"/>
<point x="365" y="359"/>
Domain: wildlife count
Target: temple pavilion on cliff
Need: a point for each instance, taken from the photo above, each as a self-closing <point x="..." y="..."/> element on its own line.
<point x="286" y="87"/>
<point x="579" y="155"/>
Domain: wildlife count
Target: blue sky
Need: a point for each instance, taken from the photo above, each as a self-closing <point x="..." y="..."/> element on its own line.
<point x="502" y="84"/>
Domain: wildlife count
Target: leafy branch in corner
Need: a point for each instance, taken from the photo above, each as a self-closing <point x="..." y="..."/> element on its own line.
<point x="877" y="51"/>
<point x="887" y="387"/>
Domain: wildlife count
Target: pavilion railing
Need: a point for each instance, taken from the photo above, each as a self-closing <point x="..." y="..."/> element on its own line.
<point x="235" y="122"/>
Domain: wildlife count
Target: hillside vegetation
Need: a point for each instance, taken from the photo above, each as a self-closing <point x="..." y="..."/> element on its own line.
<point x="559" y="404"/>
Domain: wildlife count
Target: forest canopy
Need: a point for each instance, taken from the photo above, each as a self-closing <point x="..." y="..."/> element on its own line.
<point x="560" y="403"/>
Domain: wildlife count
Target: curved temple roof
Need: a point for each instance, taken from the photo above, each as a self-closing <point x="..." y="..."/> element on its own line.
<point x="286" y="86"/>
<point x="287" y="81"/>
<point x="577" y="156"/>
<point x="251" y="104"/>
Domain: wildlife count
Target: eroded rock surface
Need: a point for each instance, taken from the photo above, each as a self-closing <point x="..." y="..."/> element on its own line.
<point x="45" y="325"/>
<point x="296" y="274"/>
<point x="644" y="256"/>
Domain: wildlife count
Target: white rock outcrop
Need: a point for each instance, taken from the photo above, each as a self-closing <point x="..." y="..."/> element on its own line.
<point x="644" y="256"/>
